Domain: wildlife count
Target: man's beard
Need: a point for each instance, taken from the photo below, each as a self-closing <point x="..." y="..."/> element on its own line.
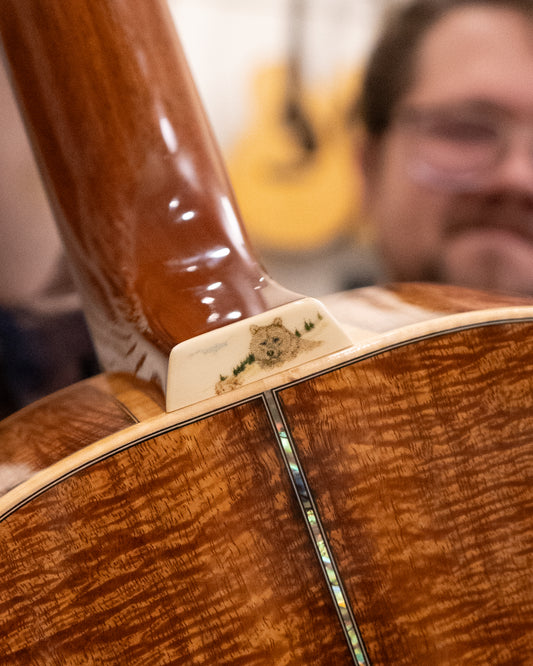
<point x="487" y="243"/>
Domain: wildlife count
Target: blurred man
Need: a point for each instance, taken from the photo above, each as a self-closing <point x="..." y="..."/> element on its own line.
<point x="447" y="105"/>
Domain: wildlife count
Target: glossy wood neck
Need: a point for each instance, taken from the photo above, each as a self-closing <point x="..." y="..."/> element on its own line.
<point x="136" y="180"/>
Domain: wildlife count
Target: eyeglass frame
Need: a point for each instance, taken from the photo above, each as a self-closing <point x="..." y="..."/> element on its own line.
<point x="499" y="128"/>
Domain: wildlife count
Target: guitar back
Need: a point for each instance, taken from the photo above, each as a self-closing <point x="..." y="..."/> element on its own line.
<point x="396" y="477"/>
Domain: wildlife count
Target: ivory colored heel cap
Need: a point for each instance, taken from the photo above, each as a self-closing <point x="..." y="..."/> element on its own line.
<point x="252" y="349"/>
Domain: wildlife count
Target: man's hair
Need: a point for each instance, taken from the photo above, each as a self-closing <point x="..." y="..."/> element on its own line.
<point x="390" y="68"/>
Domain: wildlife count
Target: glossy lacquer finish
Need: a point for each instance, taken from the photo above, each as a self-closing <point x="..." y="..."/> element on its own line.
<point x="49" y="430"/>
<point x="183" y="542"/>
<point x="137" y="184"/>
<point x="420" y="461"/>
<point x="187" y="548"/>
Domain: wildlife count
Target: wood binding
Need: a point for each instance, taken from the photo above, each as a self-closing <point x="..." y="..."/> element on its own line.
<point x="56" y="427"/>
<point x="138" y="187"/>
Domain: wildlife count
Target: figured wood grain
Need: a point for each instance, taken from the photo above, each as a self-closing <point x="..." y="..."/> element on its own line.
<point x="450" y="298"/>
<point x="433" y="542"/>
<point x="51" y="429"/>
<point x="393" y="306"/>
<point x="420" y="461"/>
<point x="188" y="548"/>
<point x="136" y="180"/>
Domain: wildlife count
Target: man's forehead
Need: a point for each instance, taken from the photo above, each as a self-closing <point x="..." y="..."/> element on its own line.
<point x="478" y="51"/>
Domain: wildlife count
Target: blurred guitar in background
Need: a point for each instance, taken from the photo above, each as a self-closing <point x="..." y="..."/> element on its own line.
<point x="293" y="168"/>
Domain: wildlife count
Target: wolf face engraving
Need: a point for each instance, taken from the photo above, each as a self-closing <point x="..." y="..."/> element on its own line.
<point x="269" y="346"/>
<point x="274" y="344"/>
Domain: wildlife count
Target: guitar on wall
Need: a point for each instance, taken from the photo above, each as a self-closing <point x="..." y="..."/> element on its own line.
<point x="293" y="167"/>
<point x="249" y="481"/>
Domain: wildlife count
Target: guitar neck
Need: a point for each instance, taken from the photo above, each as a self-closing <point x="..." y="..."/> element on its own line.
<point x="135" y="178"/>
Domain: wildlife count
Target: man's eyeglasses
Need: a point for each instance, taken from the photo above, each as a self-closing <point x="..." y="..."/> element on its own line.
<point x="459" y="148"/>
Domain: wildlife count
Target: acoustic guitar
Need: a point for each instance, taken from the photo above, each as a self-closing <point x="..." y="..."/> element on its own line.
<point x="256" y="478"/>
<point x="293" y="168"/>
